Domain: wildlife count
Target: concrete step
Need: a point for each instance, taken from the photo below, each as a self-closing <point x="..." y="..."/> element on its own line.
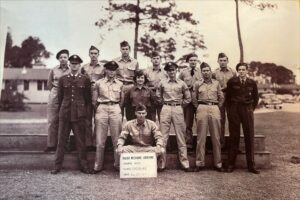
<point x="41" y="160"/>
<point x="37" y="142"/>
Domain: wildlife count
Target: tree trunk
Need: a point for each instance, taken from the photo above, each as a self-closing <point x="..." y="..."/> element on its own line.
<point x="239" y="31"/>
<point x="136" y="29"/>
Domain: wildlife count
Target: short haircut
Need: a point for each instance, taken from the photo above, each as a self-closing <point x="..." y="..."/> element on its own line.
<point x="140" y="107"/>
<point x="222" y="55"/>
<point x="93" y="48"/>
<point x="124" y="44"/>
<point x="155" y="54"/>
<point x="190" y="56"/>
<point x="241" y="64"/>
<point x="204" y="65"/>
<point x="139" y="73"/>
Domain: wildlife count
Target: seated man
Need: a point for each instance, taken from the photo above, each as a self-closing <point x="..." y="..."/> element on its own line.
<point x="140" y="134"/>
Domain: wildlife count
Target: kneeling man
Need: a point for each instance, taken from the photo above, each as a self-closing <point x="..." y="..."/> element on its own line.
<point x="141" y="135"/>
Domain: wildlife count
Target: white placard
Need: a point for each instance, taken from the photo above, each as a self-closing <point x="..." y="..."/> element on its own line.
<point x="138" y="165"/>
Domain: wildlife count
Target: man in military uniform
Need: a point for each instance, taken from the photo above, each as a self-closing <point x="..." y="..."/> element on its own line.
<point x="174" y="94"/>
<point x="108" y="100"/>
<point x="242" y="98"/>
<point x="190" y="75"/>
<point x="223" y="74"/>
<point x="52" y="108"/>
<point x="95" y="71"/>
<point x="207" y="97"/>
<point x="154" y="75"/>
<point x="74" y="95"/>
<point x="125" y="72"/>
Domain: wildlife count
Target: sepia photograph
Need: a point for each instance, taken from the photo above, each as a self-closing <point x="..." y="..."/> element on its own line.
<point x="150" y="99"/>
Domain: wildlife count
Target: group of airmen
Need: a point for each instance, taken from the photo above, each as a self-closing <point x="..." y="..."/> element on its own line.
<point x="92" y="100"/>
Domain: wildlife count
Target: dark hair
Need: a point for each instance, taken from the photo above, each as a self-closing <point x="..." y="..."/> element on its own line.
<point x="93" y="48"/>
<point x="204" y="65"/>
<point x="139" y="73"/>
<point x="124" y="44"/>
<point x="222" y="55"/>
<point x="241" y="64"/>
<point x="140" y="107"/>
<point x="155" y="54"/>
<point x="190" y="56"/>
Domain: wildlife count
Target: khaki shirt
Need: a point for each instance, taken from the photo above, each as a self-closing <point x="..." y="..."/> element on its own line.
<point x="223" y="76"/>
<point x="186" y="76"/>
<point x="126" y="69"/>
<point x="154" y="76"/>
<point x="207" y="92"/>
<point x="143" y="135"/>
<point x="108" y="91"/>
<point x="55" y="74"/>
<point x="94" y="72"/>
<point x="173" y="92"/>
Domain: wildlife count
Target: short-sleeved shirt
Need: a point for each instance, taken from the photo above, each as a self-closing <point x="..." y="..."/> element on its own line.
<point x="176" y="91"/>
<point x="186" y="76"/>
<point x="223" y="75"/>
<point x="108" y="91"/>
<point x="55" y="74"/>
<point x="208" y="92"/>
<point x="154" y="76"/>
<point x="142" y="95"/>
<point x="95" y="72"/>
<point x="143" y="135"/>
<point x="126" y="69"/>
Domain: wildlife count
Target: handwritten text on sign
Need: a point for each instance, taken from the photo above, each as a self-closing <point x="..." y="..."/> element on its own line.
<point x="138" y="165"/>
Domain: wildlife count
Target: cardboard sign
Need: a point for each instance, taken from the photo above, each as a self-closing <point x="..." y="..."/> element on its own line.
<point x="138" y="165"/>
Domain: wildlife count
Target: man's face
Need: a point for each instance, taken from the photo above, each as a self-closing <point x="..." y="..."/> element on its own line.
<point x="63" y="58"/>
<point x="141" y="115"/>
<point x="74" y="66"/>
<point x="223" y="61"/>
<point x="110" y="73"/>
<point x="193" y="61"/>
<point x="242" y="71"/>
<point x="155" y="60"/>
<point x="94" y="54"/>
<point x="140" y="80"/>
<point x="125" y="51"/>
<point x="172" y="73"/>
<point x="206" y="72"/>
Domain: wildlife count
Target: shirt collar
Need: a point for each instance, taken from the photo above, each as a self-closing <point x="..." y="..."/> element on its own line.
<point x="207" y="81"/>
<point x="136" y="123"/>
<point x="61" y="67"/>
<point x="97" y="64"/>
<point x="169" y="80"/>
<point x="159" y="69"/>
<point x="224" y="69"/>
<point x="106" y="80"/>
<point x="136" y="87"/>
<point x="121" y="59"/>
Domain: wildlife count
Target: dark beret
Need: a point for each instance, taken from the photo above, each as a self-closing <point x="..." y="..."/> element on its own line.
<point x="189" y="56"/>
<point x="169" y="65"/>
<point x="75" y="59"/>
<point x="112" y="65"/>
<point x="61" y="52"/>
<point x="93" y="48"/>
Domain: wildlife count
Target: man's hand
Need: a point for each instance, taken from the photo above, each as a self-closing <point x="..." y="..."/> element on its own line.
<point x="159" y="150"/>
<point x="119" y="149"/>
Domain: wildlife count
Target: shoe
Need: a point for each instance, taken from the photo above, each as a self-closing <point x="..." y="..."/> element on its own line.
<point x="96" y="171"/>
<point x="161" y="169"/>
<point x="219" y="169"/>
<point x="91" y="149"/>
<point x="230" y="169"/>
<point x="49" y="149"/>
<point x="199" y="168"/>
<point x="86" y="170"/>
<point x="188" y="169"/>
<point x="55" y="171"/>
<point x="116" y="169"/>
<point x="254" y="171"/>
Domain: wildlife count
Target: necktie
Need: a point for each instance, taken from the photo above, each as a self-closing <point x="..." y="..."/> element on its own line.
<point x="192" y="72"/>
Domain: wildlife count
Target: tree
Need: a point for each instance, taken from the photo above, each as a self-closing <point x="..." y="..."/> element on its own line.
<point x="32" y="50"/>
<point x="154" y="18"/>
<point x="260" y="6"/>
<point x="194" y="41"/>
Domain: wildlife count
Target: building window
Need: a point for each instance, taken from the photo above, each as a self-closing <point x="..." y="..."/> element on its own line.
<point x="39" y="85"/>
<point x="26" y="85"/>
<point x="45" y="85"/>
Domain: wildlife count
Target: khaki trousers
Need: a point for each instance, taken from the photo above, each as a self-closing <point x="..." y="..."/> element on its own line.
<point x="52" y="116"/>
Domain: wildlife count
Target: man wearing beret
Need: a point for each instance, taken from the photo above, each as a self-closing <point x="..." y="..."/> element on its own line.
<point x="190" y="75"/>
<point x="108" y="100"/>
<point x="95" y="71"/>
<point x="74" y="96"/>
<point x="174" y="94"/>
<point x="52" y="108"/>
<point x="125" y="72"/>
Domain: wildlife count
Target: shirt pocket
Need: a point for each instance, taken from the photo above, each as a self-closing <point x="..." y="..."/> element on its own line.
<point x="116" y="91"/>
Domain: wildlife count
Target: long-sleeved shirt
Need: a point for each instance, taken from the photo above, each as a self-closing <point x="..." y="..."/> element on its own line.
<point x="55" y="74"/>
<point x="186" y="76"/>
<point x="143" y="95"/>
<point x="208" y="92"/>
<point x="108" y="91"/>
<point x="223" y="75"/>
<point x="173" y="91"/>
<point x="126" y="69"/>
<point x="154" y="76"/>
<point x="146" y="134"/>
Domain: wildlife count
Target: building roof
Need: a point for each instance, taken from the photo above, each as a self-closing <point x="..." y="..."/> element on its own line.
<point x="31" y="74"/>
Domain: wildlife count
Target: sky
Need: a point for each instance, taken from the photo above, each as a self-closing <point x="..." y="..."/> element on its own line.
<point x="268" y="36"/>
